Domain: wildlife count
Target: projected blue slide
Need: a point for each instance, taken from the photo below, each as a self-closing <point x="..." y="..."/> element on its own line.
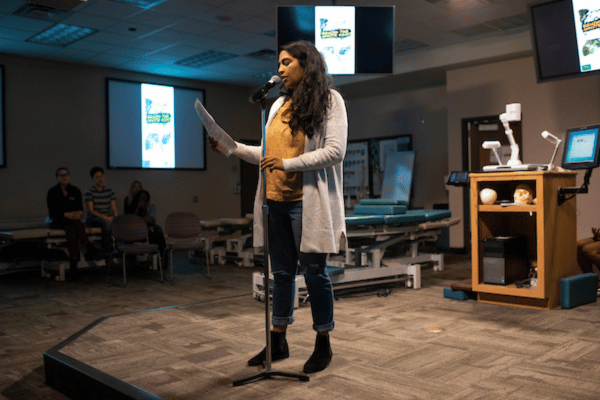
<point x="158" y="127"/>
<point x="153" y="126"/>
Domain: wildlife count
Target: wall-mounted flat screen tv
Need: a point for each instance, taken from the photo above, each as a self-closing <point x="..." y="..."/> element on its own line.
<point x="153" y="126"/>
<point x="566" y="38"/>
<point x="353" y="40"/>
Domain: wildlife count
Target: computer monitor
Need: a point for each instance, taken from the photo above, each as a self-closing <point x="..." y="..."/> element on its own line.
<point x="582" y="148"/>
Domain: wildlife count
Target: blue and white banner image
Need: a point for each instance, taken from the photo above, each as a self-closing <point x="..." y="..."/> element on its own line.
<point x="158" y="126"/>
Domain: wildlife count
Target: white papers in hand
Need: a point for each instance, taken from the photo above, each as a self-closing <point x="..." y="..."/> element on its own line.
<point x="225" y="144"/>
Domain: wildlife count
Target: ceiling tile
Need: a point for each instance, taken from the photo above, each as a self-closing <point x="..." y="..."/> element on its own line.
<point x="156" y="19"/>
<point x="110" y="59"/>
<point x="108" y="38"/>
<point x="127" y="52"/>
<point x="251" y="7"/>
<point x="70" y="53"/>
<point x="8" y="6"/>
<point x="87" y="44"/>
<point x="257" y="25"/>
<point x="150" y="45"/>
<point x="24" y="24"/>
<point x="183" y="8"/>
<point x="223" y="17"/>
<point x="177" y="29"/>
<point x="131" y="30"/>
<point x="194" y="27"/>
<point x="230" y="35"/>
<point x="14" y="34"/>
<point x="24" y="48"/>
<point x="84" y="20"/>
<point x="180" y="51"/>
<point x="161" y="57"/>
<point x="111" y="9"/>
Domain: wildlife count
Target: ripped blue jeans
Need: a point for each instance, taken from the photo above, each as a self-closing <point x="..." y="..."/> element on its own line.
<point x="285" y="233"/>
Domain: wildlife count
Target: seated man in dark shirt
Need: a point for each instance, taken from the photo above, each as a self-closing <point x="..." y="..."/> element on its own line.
<point x="65" y="209"/>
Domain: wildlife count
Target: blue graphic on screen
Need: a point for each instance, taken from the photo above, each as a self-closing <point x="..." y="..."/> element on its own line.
<point x="335" y="38"/>
<point x="158" y="126"/>
<point x="582" y="146"/>
<point x="587" y="28"/>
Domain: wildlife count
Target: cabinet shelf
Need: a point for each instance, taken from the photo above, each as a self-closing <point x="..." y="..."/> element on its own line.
<point x="548" y="229"/>
<point x="515" y="208"/>
<point x="512" y="290"/>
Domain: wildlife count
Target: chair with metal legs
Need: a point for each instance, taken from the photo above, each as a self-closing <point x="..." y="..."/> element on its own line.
<point x="182" y="232"/>
<point x="130" y="237"/>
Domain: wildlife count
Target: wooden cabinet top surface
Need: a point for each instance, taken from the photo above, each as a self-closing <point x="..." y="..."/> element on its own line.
<point x="512" y="175"/>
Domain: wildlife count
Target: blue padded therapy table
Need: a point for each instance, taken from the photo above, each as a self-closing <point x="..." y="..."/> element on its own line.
<point x="377" y="224"/>
<point x="374" y="226"/>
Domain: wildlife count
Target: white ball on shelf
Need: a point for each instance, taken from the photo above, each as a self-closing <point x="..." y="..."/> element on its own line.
<point x="488" y="196"/>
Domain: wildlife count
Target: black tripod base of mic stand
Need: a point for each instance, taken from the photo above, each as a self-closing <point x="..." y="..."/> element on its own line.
<point x="270" y="375"/>
<point x="267" y="373"/>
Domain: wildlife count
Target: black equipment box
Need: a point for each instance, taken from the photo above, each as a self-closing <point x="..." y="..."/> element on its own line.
<point x="504" y="260"/>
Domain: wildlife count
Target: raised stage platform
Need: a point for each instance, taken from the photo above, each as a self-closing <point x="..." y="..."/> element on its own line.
<point x="177" y="352"/>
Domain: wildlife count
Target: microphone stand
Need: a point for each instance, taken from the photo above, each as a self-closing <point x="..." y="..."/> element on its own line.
<point x="267" y="373"/>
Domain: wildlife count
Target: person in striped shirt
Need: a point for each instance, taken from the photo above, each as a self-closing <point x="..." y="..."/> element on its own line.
<point x="101" y="204"/>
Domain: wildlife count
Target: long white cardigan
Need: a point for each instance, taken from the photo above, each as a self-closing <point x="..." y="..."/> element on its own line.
<point x="323" y="223"/>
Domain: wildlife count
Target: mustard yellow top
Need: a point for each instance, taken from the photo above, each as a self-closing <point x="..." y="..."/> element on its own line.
<point x="282" y="186"/>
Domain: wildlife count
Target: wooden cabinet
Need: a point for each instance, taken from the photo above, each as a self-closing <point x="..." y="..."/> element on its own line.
<point x="549" y="231"/>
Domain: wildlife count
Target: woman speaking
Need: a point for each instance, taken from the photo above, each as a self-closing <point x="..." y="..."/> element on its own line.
<point x="306" y="134"/>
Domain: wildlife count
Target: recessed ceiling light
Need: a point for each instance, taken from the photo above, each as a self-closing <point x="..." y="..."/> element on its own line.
<point x="61" y="35"/>
<point x="141" y="3"/>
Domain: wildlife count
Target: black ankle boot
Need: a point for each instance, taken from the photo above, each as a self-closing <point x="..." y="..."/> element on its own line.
<point x="279" y="350"/>
<point x="320" y="357"/>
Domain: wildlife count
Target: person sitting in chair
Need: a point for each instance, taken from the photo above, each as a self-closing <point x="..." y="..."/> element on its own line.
<point x="102" y="207"/>
<point x="147" y="211"/>
<point x="65" y="209"/>
<point x="129" y="202"/>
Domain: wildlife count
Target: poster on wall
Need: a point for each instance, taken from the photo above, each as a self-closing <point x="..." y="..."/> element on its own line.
<point x="365" y="161"/>
<point x="379" y="149"/>
<point x="356" y="169"/>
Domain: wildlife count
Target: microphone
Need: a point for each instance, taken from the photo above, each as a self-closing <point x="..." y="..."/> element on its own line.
<point x="262" y="92"/>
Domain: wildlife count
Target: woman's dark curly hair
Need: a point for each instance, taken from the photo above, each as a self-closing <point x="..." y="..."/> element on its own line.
<point x="310" y="99"/>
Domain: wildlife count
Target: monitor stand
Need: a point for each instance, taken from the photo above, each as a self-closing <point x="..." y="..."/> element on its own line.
<point x="522" y="167"/>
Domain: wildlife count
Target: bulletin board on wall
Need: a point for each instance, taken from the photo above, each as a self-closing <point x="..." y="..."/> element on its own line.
<point x="364" y="163"/>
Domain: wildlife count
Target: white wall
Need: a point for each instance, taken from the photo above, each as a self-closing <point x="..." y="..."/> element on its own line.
<point x="553" y="106"/>
<point x="422" y="113"/>
<point x="55" y="116"/>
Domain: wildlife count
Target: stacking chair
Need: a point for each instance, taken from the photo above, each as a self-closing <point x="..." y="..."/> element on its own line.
<point x="182" y="232"/>
<point x="130" y="237"/>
